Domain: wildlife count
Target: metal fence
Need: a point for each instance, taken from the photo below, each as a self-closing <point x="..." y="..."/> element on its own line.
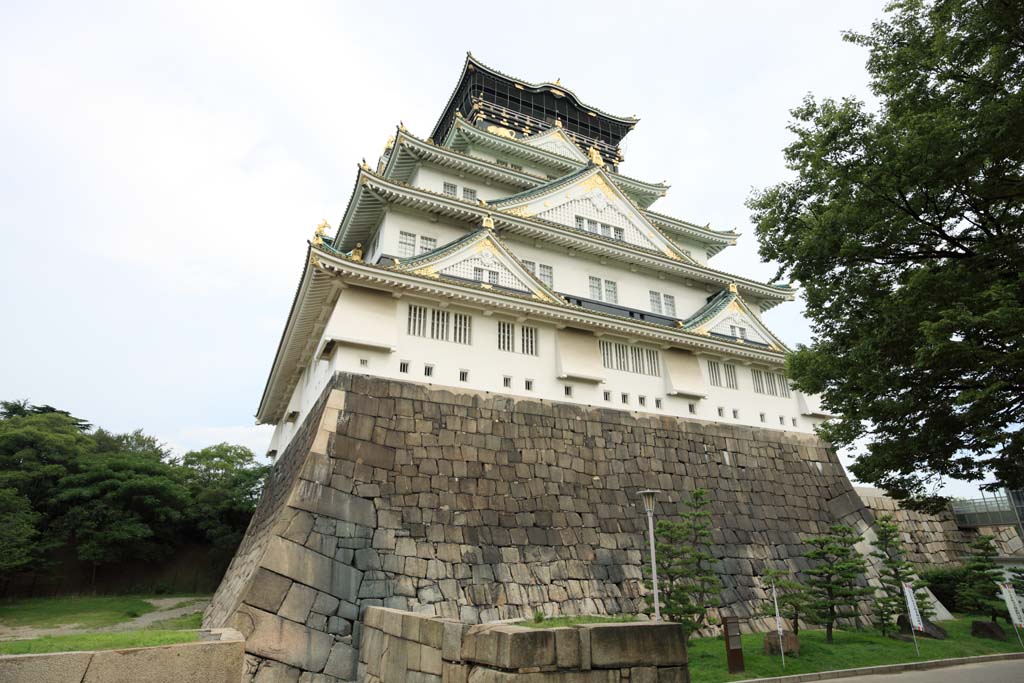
<point x="1003" y="508"/>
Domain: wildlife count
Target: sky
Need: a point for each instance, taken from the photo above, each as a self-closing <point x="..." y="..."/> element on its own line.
<point x="163" y="164"/>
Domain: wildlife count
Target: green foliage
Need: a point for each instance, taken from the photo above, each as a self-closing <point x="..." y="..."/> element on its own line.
<point x="893" y="572"/>
<point x="836" y="576"/>
<point x="979" y="591"/>
<point x="905" y="228"/>
<point x="538" y="617"/>
<point x="97" y="641"/>
<point x="943" y="583"/>
<point x="18" y="533"/>
<point x="686" y="570"/>
<point x="225" y="483"/>
<point x="794" y="600"/>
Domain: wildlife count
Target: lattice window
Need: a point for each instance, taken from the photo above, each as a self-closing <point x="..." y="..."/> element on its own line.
<point x="581" y="222"/>
<point x="529" y="340"/>
<point x="620" y="233"/>
<point x="439" y="324"/>
<point x="427" y="244"/>
<point x="463" y="329"/>
<point x="758" y="377"/>
<point x="769" y="381"/>
<point x="783" y="386"/>
<point x="529" y="265"/>
<point x="595" y="288"/>
<point x="451" y="189"/>
<point x="607" y="353"/>
<point x="417" y="323"/>
<point x="546" y="274"/>
<point x="670" y="305"/>
<point x="469" y="194"/>
<point x="636" y="359"/>
<point x="406" y="244"/>
<point x="730" y="376"/>
<point x="653" y="362"/>
<point x="655" y="302"/>
<point x="586" y="208"/>
<point x="506" y="336"/>
<point x="715" y="373"/>
<point x="611" y="292"/>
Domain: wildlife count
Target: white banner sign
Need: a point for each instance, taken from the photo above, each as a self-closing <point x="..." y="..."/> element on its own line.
<point x="778" y="621"/>
<point x="1012" y="604"/>
<point x="912" y="611"/>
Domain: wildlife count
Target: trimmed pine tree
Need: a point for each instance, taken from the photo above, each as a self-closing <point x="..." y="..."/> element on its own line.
<point x="836" y="579"/>
<point x="894" y="571"/>
<point x="979" y="592"/>
<point x="794" y="601"/>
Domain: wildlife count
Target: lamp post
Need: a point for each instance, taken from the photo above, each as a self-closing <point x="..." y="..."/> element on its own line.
<point x="648" y="496"/>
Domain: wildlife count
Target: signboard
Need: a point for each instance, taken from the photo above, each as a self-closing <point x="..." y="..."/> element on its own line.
<point x="1012" y="604"/>
<point x="778" y="620"/>
<point x="912" y="611"/>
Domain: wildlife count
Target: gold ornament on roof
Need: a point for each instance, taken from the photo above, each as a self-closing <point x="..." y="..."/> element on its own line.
<point x="595" y="156"/>
<point x="401" y="126"/>
<point x="357" y="253"/>
<point x="558" y="122"/>
<point x="488" y="222"/>
<point x="390" y="143"/>
<point x="502" y="132"/>
<point x="732" y="288"/>
<point x="318" y="236"/>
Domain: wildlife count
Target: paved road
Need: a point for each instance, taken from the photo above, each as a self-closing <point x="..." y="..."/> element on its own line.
<point x="989" y="672"/>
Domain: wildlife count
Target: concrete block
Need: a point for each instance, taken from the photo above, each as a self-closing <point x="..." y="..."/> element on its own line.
<point x="268" y="635"/>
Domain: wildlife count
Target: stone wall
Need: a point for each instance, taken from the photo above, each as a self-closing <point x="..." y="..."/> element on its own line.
<point x="401" y="647"/>
<point x="215" y="658"/>
<point x="481" y="508"/>
<point x="930" y="540"/>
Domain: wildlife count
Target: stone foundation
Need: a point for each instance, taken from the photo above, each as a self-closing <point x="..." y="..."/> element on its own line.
<point x="480" y="508"/>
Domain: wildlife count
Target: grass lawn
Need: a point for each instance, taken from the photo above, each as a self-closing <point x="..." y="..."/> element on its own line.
<point x="558" y="622"/>
<point x="83" y="612"/>
<point x="96" y="641"/>
<point x="189" y="621"/>
<point x="851" y="649"/>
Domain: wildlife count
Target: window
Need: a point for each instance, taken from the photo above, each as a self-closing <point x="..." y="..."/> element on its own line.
<point x="427" y="244"/>
<point x="763" y="417"/>
<point x="636" y="359"/>
<point x="403" y="366"/>
<point x="546" y="274"/>
<point x="463" y="329"/>
<point x="715" y="373"/>
<point x="607" y="395"/>
<point x="406" y="244"/>
<point x="595" y="288"/>
<point x="530" y="266"/>
<point x="625" y="398"/>
<point x="568" y="390"/>
<point x="528" y="385"/>
<point x="581" y="222"/>
<point x="693" y="408"/>
<point x="730" y="376"/>
<point x="769" y="382"/>
<point x="783" y="386"/>
<point x="364" y="362"/>
<point x="735" y="414"/>
<point x="451" y="189"/>
<point x="620" y="234"/>
<point x="592" y="226"/>
<point x="782" y="421"/>
<point x="606" y="230"/>
<point x="529" y="340"/>
<point x="657" y="403"/>
<point x="485" y="275"/>
<point x="469" y="194"/>
<point x="721" y="412"/>
<point x="670" y="305"/>
<point x="506" y="336"/>
<point x="794" y="422"/>
<point x="655" y="302"/>
<point x="642" y="400"/>
<point x="773" y="383"/>
<point x="738" y="332"/>
<point x="439" y="324"/>
<point x="417" y="324"/>
<point x="506" y="381"/>
<point x="611" y="292"/>
<point x="428" y="370"/>
<point x="758" y="377"/>
<point x="463" y="375"/>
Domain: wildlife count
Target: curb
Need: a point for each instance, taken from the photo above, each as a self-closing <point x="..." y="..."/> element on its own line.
<point x="886" y="669"/>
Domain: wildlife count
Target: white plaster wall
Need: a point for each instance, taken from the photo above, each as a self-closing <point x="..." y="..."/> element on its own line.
<point x="433" y="178"/>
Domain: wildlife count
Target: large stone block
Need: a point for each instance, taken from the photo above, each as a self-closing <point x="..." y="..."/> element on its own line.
<point x="635" y="644"/>
<point x="60" y="667"/>
<point x="267" y="590"/>
<point x="268" y="635"/>
<point x="313" y="569"/>
<point x="509" y="647"/>
<point x="324" y="500"/>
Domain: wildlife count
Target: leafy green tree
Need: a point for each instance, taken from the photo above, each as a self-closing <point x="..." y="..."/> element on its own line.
<point x="905" y="228"/>
<point x="123" y="502"/>
<point x="893" y="572"/>
<point x="18" y="533"/>
<point x="224" y="481"/>
<point x="836" y="577"/>
<point x="979" y="592"/>
<point x="687" y="579"/>
<point x="794" y="601"/>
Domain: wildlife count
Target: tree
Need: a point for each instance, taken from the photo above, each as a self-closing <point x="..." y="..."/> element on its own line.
<point x="835" y="577"/>
<point x="979" y="592"/>
<point x="905" y="228"/>
<point x="224" y="482"/>
<point x="893" y="572"/>
<point x="686" y="577"/>
<point x="17" y="533"/>
<point x="794" y="601"/>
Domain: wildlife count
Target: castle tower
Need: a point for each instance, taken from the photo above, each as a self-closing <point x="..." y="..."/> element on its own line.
<point x="506" y="253"/>
<point x="499" y="346"/>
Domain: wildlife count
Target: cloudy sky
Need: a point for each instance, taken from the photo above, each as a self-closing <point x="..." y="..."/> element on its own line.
<point x="163" y="164"/>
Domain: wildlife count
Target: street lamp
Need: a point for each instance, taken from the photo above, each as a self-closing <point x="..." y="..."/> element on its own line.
<point x="649" y="496"/>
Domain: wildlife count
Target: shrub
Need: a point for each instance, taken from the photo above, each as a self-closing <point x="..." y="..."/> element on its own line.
<point x="943" y="583"/>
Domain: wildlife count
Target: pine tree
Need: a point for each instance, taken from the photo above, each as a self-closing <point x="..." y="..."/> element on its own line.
<point x="836" y="577"/>
<point x="686" y="576"/>
<point x="794" y="601"/>
<point x="979" y="592"/>
<point x="894" y="572"/>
